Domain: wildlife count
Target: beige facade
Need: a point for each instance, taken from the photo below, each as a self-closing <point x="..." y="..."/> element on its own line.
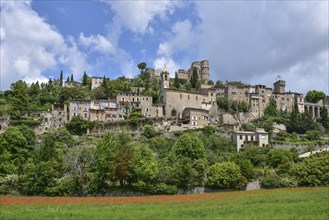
<point x="79" y="107"/>
<point x="195" y="118"/>
<point x="175" y="101"/>
<point x="242" y="138"/>
<point x="96" y="82"/>
<point x="142" y="103"/>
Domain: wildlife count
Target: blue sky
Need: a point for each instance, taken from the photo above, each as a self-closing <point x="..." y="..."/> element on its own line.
<point x="251" y="41"/>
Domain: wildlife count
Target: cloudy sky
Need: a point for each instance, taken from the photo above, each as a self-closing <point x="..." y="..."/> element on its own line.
<point x="251" y="41"/>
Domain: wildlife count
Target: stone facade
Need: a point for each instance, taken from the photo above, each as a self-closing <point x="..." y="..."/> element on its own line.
<point x="202" y="69"/>
<point x="79" y="107"/>
<point x="176" y="101"/>
<point x="195" y="118"/>
<point x="96" y="82"/>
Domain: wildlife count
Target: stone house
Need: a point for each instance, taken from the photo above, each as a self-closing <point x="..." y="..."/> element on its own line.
<point x="195" y="118"/>
<point x="242" y="138"/>
<point x="96" y="82"/>
<point x="79" y="107"/>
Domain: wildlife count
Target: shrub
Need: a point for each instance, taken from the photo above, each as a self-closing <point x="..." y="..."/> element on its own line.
<point x="313" y="171"/>
<point x="224" y="175"/>
<point x="273" y="180"/>
<point x="149" y="131"/>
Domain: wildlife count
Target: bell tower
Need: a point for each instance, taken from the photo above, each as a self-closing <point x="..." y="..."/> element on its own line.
<point x="165" y="78"/>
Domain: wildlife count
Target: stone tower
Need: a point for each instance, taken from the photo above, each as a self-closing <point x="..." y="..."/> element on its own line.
<point x="279" y="85"/>
<point x="165" y="78"/>
<point x="205" y="71"/>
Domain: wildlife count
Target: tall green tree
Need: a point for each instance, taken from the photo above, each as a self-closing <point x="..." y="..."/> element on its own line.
<point x="61" y="78"/>
<point x="176" y="81"/>
<point x="19" y="100"/>
<point x="84" y="79"/>
<point x="72" y="78"/>
<point x="189" y="161"/>
<point x="194" y="78"/>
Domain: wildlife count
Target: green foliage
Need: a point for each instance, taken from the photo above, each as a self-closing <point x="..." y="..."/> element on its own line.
<point x="14" y="151"/>
<point x="312" y="135"/>
<point x="314" y="96"/>
<point x="324" y="119"/>
<point x="78" y="125"/>
<point x="121" y="169"/>
<point x="270" y="110"/>
<point x="176" y="82"/>
<point x="39" y="178"/>
<point x="145" y="166"/>
<point x="300" y="122"/>
<point x="222" y="102"/>
<point x="189" y="161"/>
<point x="194" y="78"/>
<point x="246" y="167"/>
<point x="232" y="107"/>
<point x="312" y="171"/>
<point x="84" y="79"/>
<point x="208" y="130"/>
<point x="219" y="84"/>
<point x="149" y="131"/>
<point x="256" y="154"/>
<point x="224" y="175"/>
<point x="279" y="157"/>
<point x="272" y="180"/>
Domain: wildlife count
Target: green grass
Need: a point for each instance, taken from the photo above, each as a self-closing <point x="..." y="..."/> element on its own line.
<point x="277" y="204"/>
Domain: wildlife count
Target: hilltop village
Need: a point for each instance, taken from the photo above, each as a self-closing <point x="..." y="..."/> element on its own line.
<point x="188" y="101"/>
<point x="189" y="108"/>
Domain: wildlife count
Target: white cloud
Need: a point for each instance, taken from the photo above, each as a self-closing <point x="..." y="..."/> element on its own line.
<point x="255" y="41"/>
<point x="171" y="65"/>
<point x="98" y="43"/>
<point x="137" y="15"/>
<point x="181" y="39"/>
<point x="30" y="46"/>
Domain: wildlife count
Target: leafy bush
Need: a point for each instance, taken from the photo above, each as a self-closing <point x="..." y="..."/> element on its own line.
<point x="313" y="171"/>
<point x="224" y="176"/>
<point x="149" y="131"/>
<point x="273" y="180"/>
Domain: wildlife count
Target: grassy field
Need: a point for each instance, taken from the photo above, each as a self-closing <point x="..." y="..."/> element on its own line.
<point x="299" y="203"/>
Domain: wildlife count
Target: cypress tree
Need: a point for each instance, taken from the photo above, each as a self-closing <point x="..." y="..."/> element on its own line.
<point x="84" y="79"/>
<point x="72" y="78"/>
<point x="61" y="78"/>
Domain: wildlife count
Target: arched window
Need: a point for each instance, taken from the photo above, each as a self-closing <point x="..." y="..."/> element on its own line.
<point x="173" y="113"/>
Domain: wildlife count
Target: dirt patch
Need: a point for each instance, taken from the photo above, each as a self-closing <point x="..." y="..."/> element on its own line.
<point x="56" y="201"/>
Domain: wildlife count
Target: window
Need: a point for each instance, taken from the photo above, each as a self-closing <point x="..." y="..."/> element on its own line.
<point x="188" y="97"/>
<point x="147" y="99"/>
<point x="196" y="98"/>
<point x="233" y="93"/>
<point x="180" y="95"/>
<point x="240" y="137"/>
<point x="85" y="115"/>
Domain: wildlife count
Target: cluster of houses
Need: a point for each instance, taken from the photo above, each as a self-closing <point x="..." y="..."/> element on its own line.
<point x="192" y="109"/>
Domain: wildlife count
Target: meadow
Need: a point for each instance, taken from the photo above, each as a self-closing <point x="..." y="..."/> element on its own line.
<point x="296" y="203"/>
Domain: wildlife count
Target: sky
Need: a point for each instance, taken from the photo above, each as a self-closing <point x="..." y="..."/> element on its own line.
<point x="249" y="41"/>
